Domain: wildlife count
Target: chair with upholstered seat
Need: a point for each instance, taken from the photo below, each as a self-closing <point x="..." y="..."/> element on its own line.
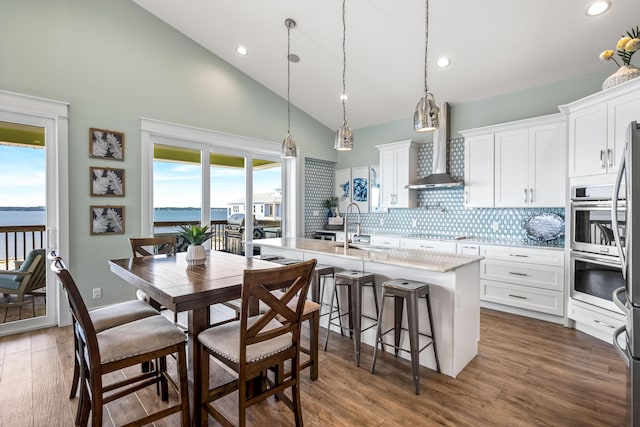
<point x="25" y="280"/>
<point x="119" y="347"/>
<point x="253" y="344"/>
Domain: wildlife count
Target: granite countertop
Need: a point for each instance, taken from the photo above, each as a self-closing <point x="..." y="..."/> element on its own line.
<point x="524" y="242"/>
<point x="414" y="258"/>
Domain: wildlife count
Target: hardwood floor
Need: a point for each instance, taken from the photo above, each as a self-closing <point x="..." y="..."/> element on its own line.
<point x="527" y="372"/>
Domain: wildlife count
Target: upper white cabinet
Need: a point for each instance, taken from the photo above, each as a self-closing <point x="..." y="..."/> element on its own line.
<point x="597" y="128"/>
<point x="398" y="167"/>
<point x="517" y="164"/>
<point x="478" y="171"/>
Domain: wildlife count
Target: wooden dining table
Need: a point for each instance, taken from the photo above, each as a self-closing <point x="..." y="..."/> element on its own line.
<point x="173" y="283"/>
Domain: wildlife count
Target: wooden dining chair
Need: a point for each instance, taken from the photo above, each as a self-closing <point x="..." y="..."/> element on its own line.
<point x="119" y="347"/>
<point x="254" y="344"/>
<point x="147" y="246"/>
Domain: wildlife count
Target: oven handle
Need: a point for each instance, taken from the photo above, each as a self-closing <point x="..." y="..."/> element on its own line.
<point x="614" y="213"/>
<point x="624" y="353"/>
<point x="595" y="259"/>
<point x="617" y="301"/>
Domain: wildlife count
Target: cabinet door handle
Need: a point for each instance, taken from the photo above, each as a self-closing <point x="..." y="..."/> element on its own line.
<point x="606" y="325"/>
<point x="515" y="273"/>
<point x="601" y="159"/>
<point x="531" y="195"/>
<point x="525" y="195"/>
<point x="519" y="256"/>
<point x="517" y="296"/>
<point x="466" y="197"/>
<point x="610" y="157"/>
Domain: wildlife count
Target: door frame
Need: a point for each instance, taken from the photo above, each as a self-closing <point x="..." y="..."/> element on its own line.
<point x="53" y="116"/>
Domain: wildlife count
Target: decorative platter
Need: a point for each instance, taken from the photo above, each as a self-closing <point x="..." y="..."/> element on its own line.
<point x="544" y="227"/>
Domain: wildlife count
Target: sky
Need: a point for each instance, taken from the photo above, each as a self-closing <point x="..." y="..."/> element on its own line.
<point x="178" y="184"/>
<point x="22" y="176"/>
<point x="22" y="181"/>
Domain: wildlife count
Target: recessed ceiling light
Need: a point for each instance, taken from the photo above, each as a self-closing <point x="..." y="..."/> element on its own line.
<point x="443" y="62"/>
<point x="344" y="97"/>
<point x="242" y="50"/>
<point x="598" y="7"/>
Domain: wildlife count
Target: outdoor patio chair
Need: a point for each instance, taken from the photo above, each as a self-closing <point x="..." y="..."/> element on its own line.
<point x="25" y="280"/>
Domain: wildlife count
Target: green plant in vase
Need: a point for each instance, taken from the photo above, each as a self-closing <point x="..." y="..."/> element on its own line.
<point x="330" y="204"/>
<point x="196" y="236"/>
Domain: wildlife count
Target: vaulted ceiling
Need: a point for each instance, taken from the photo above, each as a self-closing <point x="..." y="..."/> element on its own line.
<point x="496" y="47"/>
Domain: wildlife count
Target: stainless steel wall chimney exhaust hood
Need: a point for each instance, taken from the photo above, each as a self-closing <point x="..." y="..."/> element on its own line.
<point x="439" y="178"/>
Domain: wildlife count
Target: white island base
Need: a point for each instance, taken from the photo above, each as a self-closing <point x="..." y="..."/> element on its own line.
<point x="455" y="295"/>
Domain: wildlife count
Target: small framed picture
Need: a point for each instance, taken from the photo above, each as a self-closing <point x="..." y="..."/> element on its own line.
<point x="107" y="220"/>
<point x="107" y="182"/>
<point x="106" y="144"/>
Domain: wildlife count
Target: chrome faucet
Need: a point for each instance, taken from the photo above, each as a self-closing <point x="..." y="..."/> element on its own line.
<point x="346" y="223"/>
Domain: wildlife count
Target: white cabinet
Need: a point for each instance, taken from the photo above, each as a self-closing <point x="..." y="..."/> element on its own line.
<point x="398" y="167"/>
<point x="528" y="279"/>
<point x="517" y="164"/>
<point x="478" y="171"/>
<point x="530" y="165"/>
<point x="597" y="128"/>
<point x="428" y="245"/>
<point x="467" y="249"/>
<point x="385" y="241"/>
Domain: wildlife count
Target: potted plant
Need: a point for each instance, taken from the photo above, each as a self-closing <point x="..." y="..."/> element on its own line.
<point x="196" y="236"/>
<point x="330" y="204"/>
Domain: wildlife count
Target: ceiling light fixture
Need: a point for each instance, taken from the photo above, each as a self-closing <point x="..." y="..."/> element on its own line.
<point x="344" y="137"/>
<point x="443" y="62"/>
<point x="242" y="50"/>
<point x="289" y="149"/>
<point x="425" y="117"/>
<point x="598" y="8"/>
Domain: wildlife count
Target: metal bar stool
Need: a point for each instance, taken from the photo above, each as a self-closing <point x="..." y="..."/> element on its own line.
<point x="410" y="291"/>
<point x="355" y="281"/>
<point x="318" y="280"/>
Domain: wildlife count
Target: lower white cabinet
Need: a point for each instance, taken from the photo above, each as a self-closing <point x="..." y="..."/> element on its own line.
<point x="530" y="279"/>
<point x="593" y="320"/>
<point x="428" y="245"/>
<point x="467" y="249"/>
<point x="385" y="241"/>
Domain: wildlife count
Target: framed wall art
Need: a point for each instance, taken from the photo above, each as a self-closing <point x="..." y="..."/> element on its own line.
<point x="107" y="220"/>
<point x="106" y="144"/>
<point x="106" y="182"/>
<point x="360" y="187"/>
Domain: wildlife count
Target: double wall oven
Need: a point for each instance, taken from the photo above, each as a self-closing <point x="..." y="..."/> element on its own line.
<point x="596" y="269"/>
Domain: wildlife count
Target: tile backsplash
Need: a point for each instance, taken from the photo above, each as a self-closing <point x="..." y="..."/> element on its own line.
<point x="440" y="211"/>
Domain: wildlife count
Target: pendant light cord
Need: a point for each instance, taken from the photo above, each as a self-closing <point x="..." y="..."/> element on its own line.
<point x="426" y="42"/>
<point x="344" y="63"/>
<point x="288" y="79"/>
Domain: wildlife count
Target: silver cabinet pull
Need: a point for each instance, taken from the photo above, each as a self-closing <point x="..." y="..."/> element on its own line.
<point x="610" y="157"/>
<point x="466" y="197"/>
<point x="525" y="195"/>
<point x="531" y="195"/>
<point x="606" y="325"/>
<point x="517" y="296"/>
<point x="601" y="159"/>
<point x="515" y="273"/>
<point x="519" y="256"/>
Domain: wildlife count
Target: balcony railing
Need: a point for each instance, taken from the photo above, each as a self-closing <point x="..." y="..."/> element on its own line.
<point x="18" y="241"/>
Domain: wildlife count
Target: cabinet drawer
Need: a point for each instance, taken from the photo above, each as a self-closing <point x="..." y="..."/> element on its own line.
<point x="428" y="245"/>
<point x="535" y="299"/>
<point x="535" y="275"/>
<point x="389" y="242"/>
<point x="594" y="322"/>
<point x="528" y="255"/>
<point x="467" y="249"/>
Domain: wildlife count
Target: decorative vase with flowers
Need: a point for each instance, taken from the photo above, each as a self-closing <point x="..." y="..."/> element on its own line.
<point x="196" y="236"/>
<point x="625" y="49"/>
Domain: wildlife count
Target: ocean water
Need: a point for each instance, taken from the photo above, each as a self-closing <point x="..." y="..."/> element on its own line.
<point x="186" y="214"/>
<point x="21" y="218"/>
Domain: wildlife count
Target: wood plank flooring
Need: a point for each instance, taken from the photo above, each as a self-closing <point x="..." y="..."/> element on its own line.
<point x="527" y="373"/>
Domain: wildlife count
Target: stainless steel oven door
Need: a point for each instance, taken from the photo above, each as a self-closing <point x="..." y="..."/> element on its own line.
<point x="592" y="228"/>
<point x="594" y="278"/>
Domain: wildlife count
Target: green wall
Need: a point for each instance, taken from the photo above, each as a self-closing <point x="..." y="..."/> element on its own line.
<point x="114" y="62"/>
<point x="518" y="105"/>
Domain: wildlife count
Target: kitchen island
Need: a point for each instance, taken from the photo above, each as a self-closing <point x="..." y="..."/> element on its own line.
<point x="455" y="292"/>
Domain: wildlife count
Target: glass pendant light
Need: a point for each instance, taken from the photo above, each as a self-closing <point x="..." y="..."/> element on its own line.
<point x="344" y="137"/>
<point x="425" y="118"/>
<point x="289" y="149"/>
